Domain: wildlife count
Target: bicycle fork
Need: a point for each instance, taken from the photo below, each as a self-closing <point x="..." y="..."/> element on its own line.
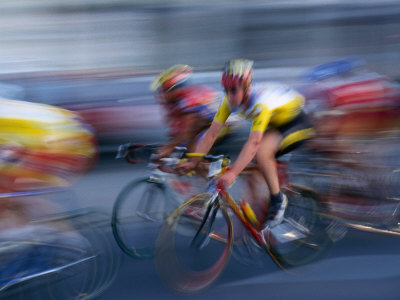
<point x="202" y="237"/>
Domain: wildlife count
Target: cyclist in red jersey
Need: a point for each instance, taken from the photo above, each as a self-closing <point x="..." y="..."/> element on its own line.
<point x="189" y="108"/>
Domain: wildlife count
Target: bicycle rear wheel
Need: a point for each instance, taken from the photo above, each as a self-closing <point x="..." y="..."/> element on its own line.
<point x="137" y="216"/>
<point x="302" y="236"/>
<point x="194" y="245"/>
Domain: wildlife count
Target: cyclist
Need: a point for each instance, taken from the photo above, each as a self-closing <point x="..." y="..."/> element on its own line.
<point x="278" y="126"/>
<point x="42" y="146"/>
<point x="189" y="108"/>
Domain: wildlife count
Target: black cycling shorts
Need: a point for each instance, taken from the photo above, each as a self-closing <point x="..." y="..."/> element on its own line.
<point x="294" y="133"/>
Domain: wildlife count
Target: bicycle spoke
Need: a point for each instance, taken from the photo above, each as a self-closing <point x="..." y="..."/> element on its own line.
<point x="137" y="217"/>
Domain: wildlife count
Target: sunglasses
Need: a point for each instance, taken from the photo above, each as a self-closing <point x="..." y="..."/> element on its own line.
<point x="231" y="90"/>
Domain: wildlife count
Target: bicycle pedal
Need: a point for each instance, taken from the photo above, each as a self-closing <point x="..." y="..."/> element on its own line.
<point x="285" y="233"/>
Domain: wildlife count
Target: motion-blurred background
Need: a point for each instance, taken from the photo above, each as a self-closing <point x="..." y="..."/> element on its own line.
<point x="93" y="54"/>
<point x="98" y="59"/>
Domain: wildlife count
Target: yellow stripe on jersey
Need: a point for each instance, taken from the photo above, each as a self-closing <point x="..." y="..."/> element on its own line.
<point x="223" y="111"/>
<point x="288" y="111"/>
<point x="261" y="118"/>
<point x="296" y="137"/>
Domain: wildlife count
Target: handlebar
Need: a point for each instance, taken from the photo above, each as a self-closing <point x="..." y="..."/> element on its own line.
<point x="129" y="153"/>
<point x="218" y="163"/>
<point x="209" y="157"/>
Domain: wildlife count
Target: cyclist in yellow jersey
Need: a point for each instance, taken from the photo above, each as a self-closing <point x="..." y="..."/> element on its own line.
<point x="278" y="126"/>
<point x="42" y="146"/>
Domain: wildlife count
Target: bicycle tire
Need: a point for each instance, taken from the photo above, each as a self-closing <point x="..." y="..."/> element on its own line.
<point x="183" y="267"/>
<point x="62" y="268"/>
<point x="138" y="215"/>
<point x="302" y="236"/>
<point x="80" y="261"/>
<point x="102" y="269"/>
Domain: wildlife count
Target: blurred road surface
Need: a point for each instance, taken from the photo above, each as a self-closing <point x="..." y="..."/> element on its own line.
<point x="362" y="266"/>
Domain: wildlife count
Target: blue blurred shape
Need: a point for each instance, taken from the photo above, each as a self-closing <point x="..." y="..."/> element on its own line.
<point x="333" y="68"/>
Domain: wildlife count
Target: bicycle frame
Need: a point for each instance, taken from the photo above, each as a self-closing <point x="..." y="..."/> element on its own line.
<point x="205" y="222"/>
<point x="222" y="198"/>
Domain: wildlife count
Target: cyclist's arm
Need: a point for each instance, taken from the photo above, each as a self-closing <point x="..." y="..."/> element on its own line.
<point x="209" y="138"/>
<point x="217" y="124"/>
<point x="203" y="146"/>
<point x="190" y="125"/>
<point x="249" y="150"/>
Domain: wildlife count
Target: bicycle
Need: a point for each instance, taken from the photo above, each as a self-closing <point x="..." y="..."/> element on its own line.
<point x="353" y="195"/>
<point x="62" y="256"/>
<point x="196" y="240"/>
<point x="143" y="204"/>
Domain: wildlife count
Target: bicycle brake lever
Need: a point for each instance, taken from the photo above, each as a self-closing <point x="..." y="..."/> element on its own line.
<point x="122" y="151"/>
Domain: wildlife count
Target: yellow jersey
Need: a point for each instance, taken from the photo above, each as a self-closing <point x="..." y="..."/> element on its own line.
<point x="270" y="104"/>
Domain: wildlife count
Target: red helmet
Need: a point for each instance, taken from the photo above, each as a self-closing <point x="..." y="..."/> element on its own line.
<point x="171" y="78"/>
<point x="237" y="71"/>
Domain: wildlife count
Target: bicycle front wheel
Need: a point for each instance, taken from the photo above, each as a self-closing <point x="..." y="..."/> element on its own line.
<point x="137" y="216"/>
<point x="194" y="245"/>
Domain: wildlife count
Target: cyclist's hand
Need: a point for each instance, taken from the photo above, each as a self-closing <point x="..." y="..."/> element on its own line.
<point x="228" y="178"/>
<point x="185" y="167"/>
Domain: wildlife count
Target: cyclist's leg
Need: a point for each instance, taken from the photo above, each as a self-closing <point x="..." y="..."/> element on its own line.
<point x="277" y="142"/>
<point x="267" y="164"/>
<point x="267" y="170"/>
<point x="266" y="159"/>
